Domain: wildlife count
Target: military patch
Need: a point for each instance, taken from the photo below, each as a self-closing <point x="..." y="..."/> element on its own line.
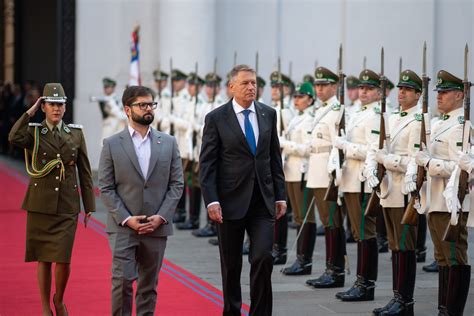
<point x="362" y="108"/>
<point x="377" y="110"/>
<point x="79" y="126"/>
<point x="416" y="145"/>
<point x="66" y="129"/>
<point x="440" y="80"/>
<point x="459" y="144"/>
<point x="336" y="107"/>
<point x="405" y="77"/>
<point x="419" y="117"/>
<point x="365" y="77"/>
<point x="461" y="119"/>
<point x="34" y="124"/>
<point x="44" y="130"/>
<point x="375" y="132"/>
<point x="319" y="75"/>
<point x="402" y="114"/>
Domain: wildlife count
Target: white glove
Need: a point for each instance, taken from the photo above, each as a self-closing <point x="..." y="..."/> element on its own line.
<point x="410" y="182"/>
<point x="465" y="162"/>
<point x="380" y="155"/>
<point x="332" y="161"/>
<point x="422" y="158"/>
<point x="372" y="179"/>
<point x="340" y="143"/>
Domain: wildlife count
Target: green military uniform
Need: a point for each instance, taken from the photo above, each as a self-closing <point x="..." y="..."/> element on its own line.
<point x="53" y="195"/>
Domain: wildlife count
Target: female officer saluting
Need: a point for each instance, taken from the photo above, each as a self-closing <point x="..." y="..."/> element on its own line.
<point x="52" y="200"/>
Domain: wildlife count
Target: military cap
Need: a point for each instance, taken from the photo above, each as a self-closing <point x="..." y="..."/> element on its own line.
<point x="447" y="81"/>
<point x="107" y="82"/>
<point x="352" y="82"/>
<point x="369" y="78"/>
<point x="228" y="77"/>
<point x="275" y="79"/>
<point x="306" y="88"/>
<point x="260" y="82"/>
<point x="324" y="76"/>
<point x="178" y="75"/>
<point x="212" y="78"/>
<point x="54" y="93"/>
<point x="308" y="78"/>
<point x="390" y="84"/>
<point x="409" y="79"/>
<point x="160" y="75"/>
<point x="194" y="79"/>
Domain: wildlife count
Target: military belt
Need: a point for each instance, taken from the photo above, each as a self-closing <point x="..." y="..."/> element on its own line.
<point x="322" y="149"/>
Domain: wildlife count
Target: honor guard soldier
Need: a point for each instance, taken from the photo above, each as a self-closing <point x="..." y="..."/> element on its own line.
<point x="163" y="97"/>
<point x="114" y="119"/>
<point x="361" y="131"/>
<point x="323" y="134"/>
<point x="440" y="161"/>
<point x="295" y="149"/>
<point x="404" y="129"/>
<point x="53" y="199"/>
<point x="308" y="78"/>
<point x="213" y="89"/>
<point x="186" y="137"/>
<point x="352" y="84"/>
<point x="261" y="83"/>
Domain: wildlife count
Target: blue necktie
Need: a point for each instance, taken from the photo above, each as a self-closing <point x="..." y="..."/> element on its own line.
<point x="249" y="135"/>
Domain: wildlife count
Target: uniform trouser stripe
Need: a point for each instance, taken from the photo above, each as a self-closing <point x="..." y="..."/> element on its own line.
<point x="362" y="220"/>
<point x="404" y="237"/>
<point x="452" y="248"/>
<point x="332" y="210"/>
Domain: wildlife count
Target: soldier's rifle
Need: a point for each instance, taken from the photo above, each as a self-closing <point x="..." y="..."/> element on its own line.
<point x="410" y="216"/>
<point x="257" y="95"/>
<point x="214" y="86"/>
<point x="373" y="205"/>
<point x="280" y="86"/>
<point x="172" y="96"/>
<point x="196" y="94"/>
<point x="453" y="231"/>
<point x="332" y="190"/>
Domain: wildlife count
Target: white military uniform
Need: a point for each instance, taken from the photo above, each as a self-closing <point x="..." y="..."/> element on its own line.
<point x="163" y="111"/>
<point x="184" y="125"/>
<point x="116" y="119"/>
<point x="361" y="130"/>
<point x="323" y="134"/>
<point x="287" y="115"/>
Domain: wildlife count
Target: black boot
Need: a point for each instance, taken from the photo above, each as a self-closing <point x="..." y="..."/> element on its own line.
<point x="339" y="295"/>
<point x="180" y="214"/>
<point x="432" y="267"/>
<point x="194" y="211"/>
<point x="395" y="262"/>
<point x="363" y="288"/>
<point x="458" y="289"/>
<point x="280" y="238"/>
<point x="305" y="248"/>
<point x="381" y="233"/>
<point x="334" y="275"/>
<point x="421" y="239"/>
<point x="443" y="276"/>
<point x="403" y="305"/>
<point x="207" y="231"/>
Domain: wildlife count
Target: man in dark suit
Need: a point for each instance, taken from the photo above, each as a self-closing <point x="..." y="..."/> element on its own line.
<point x="243" y="186"/>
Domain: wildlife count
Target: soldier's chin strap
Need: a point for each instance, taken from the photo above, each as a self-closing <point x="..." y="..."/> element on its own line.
<point x="40" y="173"/>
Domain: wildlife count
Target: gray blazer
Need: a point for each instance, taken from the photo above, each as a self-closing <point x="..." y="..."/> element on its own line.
<point x="126" y="192"/>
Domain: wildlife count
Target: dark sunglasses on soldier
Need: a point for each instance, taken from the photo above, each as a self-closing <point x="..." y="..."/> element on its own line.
<point x="144" y="105"/>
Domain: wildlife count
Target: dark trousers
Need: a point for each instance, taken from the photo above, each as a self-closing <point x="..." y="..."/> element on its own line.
<point x="259" y="224"/>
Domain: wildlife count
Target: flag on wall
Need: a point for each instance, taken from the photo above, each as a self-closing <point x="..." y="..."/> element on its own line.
<point x="135" y="79"/>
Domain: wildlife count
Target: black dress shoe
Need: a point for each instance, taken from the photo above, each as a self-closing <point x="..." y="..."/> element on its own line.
<point x="187" y="225"/>
<point x="298" y="268"/>
<point x="432" y="267"/>
<point x="379" y="310"/>
<point x="382" y="244"/>
<point x="207" y="231"/>
<point x="279" y="257"/>
<point x="329" y="279"/>
<point x="421" y="255"/>
<point x="399" y="307"/>
<point x="214" y="241"/>
<point x="362" y="290"/>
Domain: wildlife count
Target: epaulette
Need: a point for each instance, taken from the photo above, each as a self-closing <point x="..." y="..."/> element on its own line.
<point x="396" y="112"/>
<point x="336" y="107"/>
<point x="377" y="110"/>
<point x="461" y="119"/>
<point x="78" y="126"/>
<point x="34" y="124"/>
<point x="419" y="117"/>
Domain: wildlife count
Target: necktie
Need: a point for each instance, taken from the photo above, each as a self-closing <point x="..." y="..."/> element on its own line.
<point x="249" y="134"/>
<point x="56" y="134"/>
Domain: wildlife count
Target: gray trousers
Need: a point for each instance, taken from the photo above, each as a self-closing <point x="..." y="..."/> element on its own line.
<point x="135" y="257"/>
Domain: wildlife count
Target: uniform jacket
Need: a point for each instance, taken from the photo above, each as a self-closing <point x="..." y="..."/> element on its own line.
<point x="49" y="195"/>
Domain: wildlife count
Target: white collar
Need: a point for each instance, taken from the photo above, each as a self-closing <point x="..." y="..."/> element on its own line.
<point x="132" y="132"/>
<point x="238" y="108"/>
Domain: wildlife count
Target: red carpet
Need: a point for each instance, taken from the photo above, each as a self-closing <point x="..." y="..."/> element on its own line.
<point x="88" y="292"/>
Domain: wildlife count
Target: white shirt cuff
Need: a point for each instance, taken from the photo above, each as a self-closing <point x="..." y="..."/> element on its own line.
<point x="281" y="201"/>
<point x="213" y="203"/>
<point x="125" y="221"/>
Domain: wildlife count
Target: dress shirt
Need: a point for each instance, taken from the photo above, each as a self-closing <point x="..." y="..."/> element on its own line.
<point x="239" y="112"/>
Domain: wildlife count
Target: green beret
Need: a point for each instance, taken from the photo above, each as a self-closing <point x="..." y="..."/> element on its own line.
<point x="308" y="78"/>
<point x="352" y="82"/>
<point x="160" y="75"/>
<point x="107" y="82"/>
<point x="447" y="81"/>
<point x="409" y="79"/>
<point x="178" y="75"/>
<point x="195" y="79"/>
<point x="325" y="76"/>
<point x="306" y="88"/>
<point x="212" y="78"/>
<point x="275" y="79"/>
<point x="260" y="82"/>
<point x="369" y="78"/>
<point x="390" y="84"/>
<point x="54" y="93"/>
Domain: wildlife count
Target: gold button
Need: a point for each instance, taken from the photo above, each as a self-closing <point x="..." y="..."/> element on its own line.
<point x="36" y="184"/>
<point x="56" y="189"/>
<point x="44" y="154"/>
<point x="58" y="155"/>
<point x="73" y="154"/>
<point x="57" y="178"/>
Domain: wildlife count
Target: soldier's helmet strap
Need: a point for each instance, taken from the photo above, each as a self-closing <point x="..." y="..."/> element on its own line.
<point x="50" y="166"/>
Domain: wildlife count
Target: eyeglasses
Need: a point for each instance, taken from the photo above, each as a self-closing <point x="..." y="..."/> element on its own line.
<point x="144" y="105"/>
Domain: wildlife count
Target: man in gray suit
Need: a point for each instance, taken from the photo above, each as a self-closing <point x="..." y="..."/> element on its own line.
<point x="141" y="182"/>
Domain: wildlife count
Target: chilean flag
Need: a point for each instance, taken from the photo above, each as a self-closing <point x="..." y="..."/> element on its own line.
<point x="135" y="79"/>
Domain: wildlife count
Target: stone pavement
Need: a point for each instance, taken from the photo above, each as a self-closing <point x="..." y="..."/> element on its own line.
<point x="291" y="296"/>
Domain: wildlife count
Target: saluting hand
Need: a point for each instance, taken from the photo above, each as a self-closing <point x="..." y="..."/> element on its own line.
<point x="32" y="110"/>
<point x="280" y="209"/>
<point x="215" y="213"/>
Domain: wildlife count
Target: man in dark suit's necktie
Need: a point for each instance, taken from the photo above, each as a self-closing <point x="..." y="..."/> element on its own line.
<point x="249" y="134"/>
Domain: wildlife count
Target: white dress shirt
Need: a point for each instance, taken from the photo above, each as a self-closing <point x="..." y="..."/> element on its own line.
<point x="142" y="149"/>
<point x="238" y="109"/>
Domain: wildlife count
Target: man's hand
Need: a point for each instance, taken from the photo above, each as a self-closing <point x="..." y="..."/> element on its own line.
<point x="134" y="222"/>
<point x="340" y="143"/>
<point x="32" y="110"/>
<point x="215" y="213"/>
<point x="280" y="209"/>
<point x="372" y="179"/>
<point x="153" y="223"/>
